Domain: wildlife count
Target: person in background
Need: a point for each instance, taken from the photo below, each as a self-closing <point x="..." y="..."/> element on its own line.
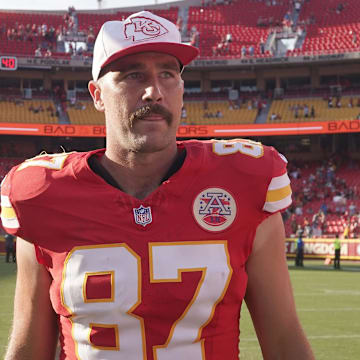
<point x="299" y="259"/>
<point x="10" y="248"/>
<point x="337" y="251"/>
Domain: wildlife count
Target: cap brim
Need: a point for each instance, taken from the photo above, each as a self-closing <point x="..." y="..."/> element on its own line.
<point x="184" y="53"/>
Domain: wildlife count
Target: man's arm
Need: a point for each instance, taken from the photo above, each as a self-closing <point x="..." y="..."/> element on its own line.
<point x="34" y="333"/>
<point x="269" y="296"/>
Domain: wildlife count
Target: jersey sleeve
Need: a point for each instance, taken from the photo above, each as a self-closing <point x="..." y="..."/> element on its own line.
<point x="278" y="195"/>
<point x="20" y="192"/>
<point x="8" y="215"/>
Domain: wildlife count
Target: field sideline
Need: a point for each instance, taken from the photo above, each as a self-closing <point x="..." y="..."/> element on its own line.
<point x="328" y="304"/>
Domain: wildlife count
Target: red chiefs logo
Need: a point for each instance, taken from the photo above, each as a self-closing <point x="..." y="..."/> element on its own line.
<point x="142" y="29"/>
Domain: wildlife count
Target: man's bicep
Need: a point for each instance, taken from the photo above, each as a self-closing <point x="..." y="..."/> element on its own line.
<point x="33" y="313"/>
<point x="269" y="294"/>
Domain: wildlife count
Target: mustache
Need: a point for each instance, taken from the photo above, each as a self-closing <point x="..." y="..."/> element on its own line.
<point x="150" y="109"/>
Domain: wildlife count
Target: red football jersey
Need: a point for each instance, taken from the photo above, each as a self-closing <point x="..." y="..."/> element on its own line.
<point x="161" y="278"/>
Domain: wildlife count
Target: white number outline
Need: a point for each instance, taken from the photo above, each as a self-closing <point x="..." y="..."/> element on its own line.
<point x="196" y="294"/>
<point x="56" y="161"/>
<point x="139" y="290"/>
<point x="129" y="311"/>
<point x="244" y="146"/>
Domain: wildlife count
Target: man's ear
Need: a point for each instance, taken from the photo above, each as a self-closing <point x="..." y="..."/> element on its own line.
<point x="95" y="92"/>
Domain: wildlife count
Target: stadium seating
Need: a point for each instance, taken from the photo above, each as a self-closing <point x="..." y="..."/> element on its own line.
<point x="346" y="180"/>
<point x="286" y="113"/>
<point x="95" y="20"/>
<point x="19" y="111"/>
<point x="85" y="114"/>
<point x="196" y="114"/>
<point x="333" y="30"/>
<point x="214" y="22"/>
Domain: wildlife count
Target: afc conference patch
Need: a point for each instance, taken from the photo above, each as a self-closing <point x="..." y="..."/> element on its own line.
<point x="214" y="209"/>
<point x="142" y="215"/>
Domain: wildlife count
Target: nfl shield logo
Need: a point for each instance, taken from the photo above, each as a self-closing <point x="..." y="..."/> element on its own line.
<point x="142" y="215"/>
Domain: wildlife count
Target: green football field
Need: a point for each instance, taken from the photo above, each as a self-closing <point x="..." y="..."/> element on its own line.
<point x="328" y="304"/>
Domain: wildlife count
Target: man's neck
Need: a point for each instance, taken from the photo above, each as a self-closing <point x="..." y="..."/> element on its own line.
<point x="139" y="174"/>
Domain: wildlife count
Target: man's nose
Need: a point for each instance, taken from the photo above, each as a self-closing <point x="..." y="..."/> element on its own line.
<point x="153" y="91"/>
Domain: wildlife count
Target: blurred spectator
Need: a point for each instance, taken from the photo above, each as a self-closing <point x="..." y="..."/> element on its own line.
<point x="48" y="53"/>
<point x="312" y="111"/>
<point x="352" y="209"/>
<point x="228" y="38"/>
<point x="299" y="246"/>
<point x="338" y="102"/>
<point x="38" y="52"/>
<point x="324" y="208"/>
<point x="251" y="50"/>
<point x="244" y="52"/>
<point x="179" y="23"/>
<point x="299" y="210"/>
<point x="219" y="114"/>
<point x="339" y="8"/>
<point x="306" y="110"/>
<point x="183" y="113"/>
<point x="262" y="46"/>
<point x="195" y="39"/>
<point x="330" y="102"/>
<point x="10" y="248"/>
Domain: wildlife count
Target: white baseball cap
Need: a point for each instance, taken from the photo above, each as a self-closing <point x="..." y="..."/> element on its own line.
<point x="140" y="32"/>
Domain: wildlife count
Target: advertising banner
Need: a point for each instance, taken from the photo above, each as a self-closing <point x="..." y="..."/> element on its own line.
<point x="324" y="248"/>
<point x="191" y="131"/>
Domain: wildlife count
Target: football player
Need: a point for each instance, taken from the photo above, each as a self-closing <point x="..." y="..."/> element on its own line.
<point x="147" y="249"/>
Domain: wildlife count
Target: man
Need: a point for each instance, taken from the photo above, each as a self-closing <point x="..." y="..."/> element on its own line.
<point x="9" y="248"/>
<point x="299" y="259"/>
<point x="337" y="252"/>
<point x="148" y="248"/>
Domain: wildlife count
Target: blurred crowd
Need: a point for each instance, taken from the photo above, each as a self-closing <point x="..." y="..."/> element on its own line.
<point x="323" y="202"/>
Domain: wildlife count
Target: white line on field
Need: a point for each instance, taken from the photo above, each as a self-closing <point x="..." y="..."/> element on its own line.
<point x="342" y="292"/>
<point x="327" y="292"/>
<point x="350" y="336"/>
<point x="314" y="337"/>
<point x="331" y="309"/>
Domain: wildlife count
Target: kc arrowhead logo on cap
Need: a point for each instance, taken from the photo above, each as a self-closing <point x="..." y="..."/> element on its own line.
<point x="138" y="33"/>
<point x="141" y="29"/>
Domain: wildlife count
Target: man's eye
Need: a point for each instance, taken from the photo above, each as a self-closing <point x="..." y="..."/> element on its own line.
<point x="134" y="76"/>
<point x="166" y="74"/>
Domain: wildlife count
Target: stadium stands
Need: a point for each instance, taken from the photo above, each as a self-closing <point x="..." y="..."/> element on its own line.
<point x="326" y="199"/>
<point x="217" y="112"/>
<point x="215" y="22"/>
<point x="84" y="113"/>
<point x="293" y="110"/>
<point x="22" y="32"/>
<point x="28" y="111"/>
<point x="335" y="29"/>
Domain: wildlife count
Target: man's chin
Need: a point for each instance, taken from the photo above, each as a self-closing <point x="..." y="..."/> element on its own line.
<point x="149" y="144"/>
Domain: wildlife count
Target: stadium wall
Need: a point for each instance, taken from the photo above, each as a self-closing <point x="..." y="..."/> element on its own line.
<point x="324" y="248"/>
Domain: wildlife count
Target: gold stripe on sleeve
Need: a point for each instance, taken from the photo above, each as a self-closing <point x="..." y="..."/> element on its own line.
<point x="278" y="194"/>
